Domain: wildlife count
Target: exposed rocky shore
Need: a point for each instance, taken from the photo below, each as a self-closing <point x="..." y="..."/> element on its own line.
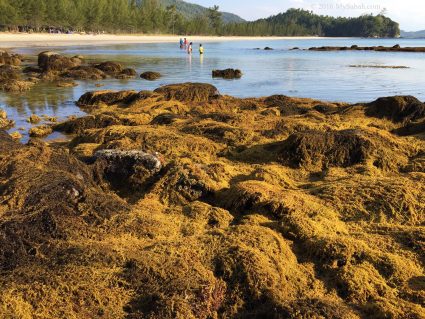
<point x="183" y="203"/>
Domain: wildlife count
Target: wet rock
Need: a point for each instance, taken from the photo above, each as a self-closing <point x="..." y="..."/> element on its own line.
<point x="107" y="97"/>
<point x="398" y="109"/>
<point x="32" y="70"/>
<point x="52" y="61"/>
<point x="227" y="74"/>
<point x="3" y="114"/>
<point x="268" y="49"/>
<point x="127" y="74"/>
<point x="150" y="76"/>
<point x="189" y="92"/>
<point x="110" y="67"/>
<point x="34" y="119"/>
<point x="40" y="131"/>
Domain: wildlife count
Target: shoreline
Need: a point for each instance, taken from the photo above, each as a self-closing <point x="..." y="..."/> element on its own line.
<point x="16" y="40"/>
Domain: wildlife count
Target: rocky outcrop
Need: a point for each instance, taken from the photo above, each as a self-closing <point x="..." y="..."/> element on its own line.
<point x="150" y="76"/>
<point x="10" y="80"/>
<point x="84" y="72"/>
<point x="52" y="61"/>
<point x="227" y="74"/>
<point x="189" y="92"/>
<point x="40" y="131"/>
<point x="110" y="67"/>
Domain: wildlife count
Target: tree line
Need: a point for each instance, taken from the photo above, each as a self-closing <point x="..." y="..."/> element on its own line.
<point x="150" y="16"/>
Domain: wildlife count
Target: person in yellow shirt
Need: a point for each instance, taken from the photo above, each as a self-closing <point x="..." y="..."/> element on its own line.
<point x="201" y="49"/>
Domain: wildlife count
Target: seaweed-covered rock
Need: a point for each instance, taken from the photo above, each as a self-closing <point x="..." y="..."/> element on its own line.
<point x="8" y="72"/>
<point x="399" y="109"/>
<point x="110" y="67"/>
<point x="40" y="131"/>
<point x="4" y="121"/>
<point x="127" y="73"/>
<point x="227" y="74"/>
<point x="150" y="76"/>
<point x="78" y="125"/>
<point x="128" y="170"/>
<point x="7" y="58"/>
<point x="107" y="97"/>
<point x="15" y="85"/>
<point x="285" y="104"/>
<point x="52" y="61"/>
<point x="333" y="148"/>
<point x="84" y="72"/>
<point x="189" y="92"/>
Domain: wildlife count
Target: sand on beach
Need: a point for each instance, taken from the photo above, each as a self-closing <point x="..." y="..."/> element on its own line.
<point x="10" y="40"/>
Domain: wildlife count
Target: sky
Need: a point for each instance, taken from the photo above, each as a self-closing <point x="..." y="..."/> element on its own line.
<point x="409" y="13"/>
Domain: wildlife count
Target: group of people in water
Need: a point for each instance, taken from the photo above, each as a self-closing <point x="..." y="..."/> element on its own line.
<point x="186" y="45"/>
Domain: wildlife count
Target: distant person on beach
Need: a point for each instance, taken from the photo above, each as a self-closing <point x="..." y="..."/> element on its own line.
<point x="181" y="43"/>
<point x="201" y="49"/>
<point x="185" y="43"/>
<point x="189" y="48"/>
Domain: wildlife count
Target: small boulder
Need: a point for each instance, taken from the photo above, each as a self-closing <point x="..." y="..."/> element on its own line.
<point x="127" y="73"/>
<point x="107" y="97"/>
<point x="150" y="76"/>
<point x="34" y="119"/>
<point x="268" y="49"/>
<point x="52" y="61"/>
<point x="110" y="67"/>
<point x="84" y="72"/>
<point x="15" y="85"/>
<point x="227" y="74"/>
<point x="16" y="135"/>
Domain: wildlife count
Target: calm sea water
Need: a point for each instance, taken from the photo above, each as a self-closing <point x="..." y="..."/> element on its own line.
<point x="322" y="75"/>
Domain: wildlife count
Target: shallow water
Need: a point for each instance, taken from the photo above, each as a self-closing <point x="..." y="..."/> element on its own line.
<point x="321" y="75"/>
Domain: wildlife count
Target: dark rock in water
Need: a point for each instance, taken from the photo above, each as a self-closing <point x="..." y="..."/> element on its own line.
<point x="165" y="119"/>
<point x="295" y="48"/>
<point x="127" y="73"/>
<point x="398" y="109"/>
<point x="52" y="61"/>
<point x="128" y="170"/>
<point x="285" y="104"/>
<point x="110" y="67"/>
<point x="84" y="72"/>
<point x="150" y="76"/>
<point x="354" y="47"/>
<point x="107" y="97"/>
<point x="323" y="149"/>
<point x="189" y="92"/>
<point x="268" y="48"/>
<point x="397" y="46"/>
<point x="227" y="74"/>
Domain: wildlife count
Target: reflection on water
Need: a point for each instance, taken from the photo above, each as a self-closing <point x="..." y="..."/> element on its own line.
<point x="321" y="75"/>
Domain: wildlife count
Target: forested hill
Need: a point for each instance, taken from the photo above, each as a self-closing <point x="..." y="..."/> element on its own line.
<point x="298" y="22"/>
<point x="191" y="10"/>
<point x="177" y="17"/>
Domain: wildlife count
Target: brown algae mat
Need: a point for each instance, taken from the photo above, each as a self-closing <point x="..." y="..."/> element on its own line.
<point x="182" y="203"/>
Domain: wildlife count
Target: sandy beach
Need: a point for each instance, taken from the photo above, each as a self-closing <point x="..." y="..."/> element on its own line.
<point x="11" y="40"/>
